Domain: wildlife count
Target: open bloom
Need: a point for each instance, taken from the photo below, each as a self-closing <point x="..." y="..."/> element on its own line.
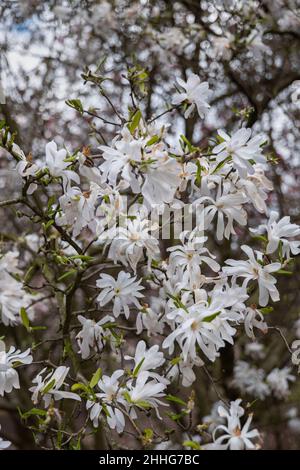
<point x="146" y="394"/>
<point x="92" y="335"/>
<point x="242" y="149"/>
<point x="57" y="164"/>
<point x="9" y="377"/>
<point x="194" y="93"/>
<point x="110" y="396"/>
<point x="146" y="360"/>
<point x="280" y="231"/>
<point x="123" y="291"/>
<point x="234" y="435"/>
<point x="49" y="386"/>
<point x="278" y="380"/>
<point x="253" y="269"/>
<point x="226" y="206"/>
<point x="4" y="444"/>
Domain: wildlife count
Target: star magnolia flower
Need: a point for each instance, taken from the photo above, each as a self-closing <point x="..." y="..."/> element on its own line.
<point x="110" y="393"/>
<point x="4" y="444"/>
<point x="57" y="166"/>
<point x="147" y="360"/>
<point x="250" y="380"/>
<point x="235" y="436"/>
<point x="49" y="386"/>
<point x="279" y="231"/>
<point x="198" y="325"/>
<point x="78" y="208"/>
<point x="129" y="243"/>
<point x="123" y="291"/>
<point x="279" y="379"/>
<point x="241" y="150"/>
<point x="254" y="318"/>
<point x="9" y="377"/>
<point x="194" y="93"/>
<point x="92" y="335"/>
<point x="145" y="393"/>
<point x="225" y="205"/>
<point x="190" y="256"/>
<point x="253" y="270"/>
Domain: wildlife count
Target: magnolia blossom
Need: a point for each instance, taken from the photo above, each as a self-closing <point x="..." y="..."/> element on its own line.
<point x="110" y="394"/>
<point x="57" y="164"/>
<point x="4" y="444"/>
<point x="254" y="269"/>
<point x="129" y="243"/>
<point x="48" y="387"/>
<point x="242" y="149"/>
<point x="92" y="335"/>
<point x="12" y="295"/>
<point x="278" y="380"/>
<point x="279" y="231"/>
<point x="250" y="380"/>
<point x="194" y="93"/>
<point x="190" y="256"/>
<point x="234" y="435"/>
<point x="146" y="360"/>
<point x="226" y="206"/>
<point x="9" y="377"/>
<point x="254" y="318"/>
<point x="78" y="208"/>
<point x="146" y="394"/>
<point x="123" y="291"/>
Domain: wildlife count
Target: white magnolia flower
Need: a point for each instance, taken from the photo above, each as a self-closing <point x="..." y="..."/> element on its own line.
<point x="129" y="243"/>
<point x="256" y="186"/>
<point x="92" y="335"/>
<point x="48" y="387"/>
<point x="278" y="380"/>
<point x="146" y="360"/>
<point x="122" y="291"/>
<point x="57" y="164"/>
<point x="250" y="380"/>
<point x="78" y="208"/>
<point x="110" y="394"/>
<point x="12" y="295"/>
<point x="194" y="93"/>
<point x="145" y="393"/>
<point x="234" y="435"/>
<point x="151" y="320"/>
<point x="189" y="257"/>
<point x="226" y="205"/>
<point x="185" y="370"/>
<point x="254" y="318"/>
<point x="4" y="444"/>
<point x="253" y="269"/>
<point x="9" y="377"/>
<point x="280" y="231"/>
<point x="203" y="324"/>
<point x="242" y="149"/>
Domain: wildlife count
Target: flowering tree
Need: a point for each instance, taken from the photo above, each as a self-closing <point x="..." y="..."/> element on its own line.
<point x="135" y="290"/>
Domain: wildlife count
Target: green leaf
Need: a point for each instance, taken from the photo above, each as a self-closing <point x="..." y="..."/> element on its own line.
<point x="79" y="386"/>
<point x="174" y="399"/>
<point x="152" y="141"/>
<point x="48" y="387"/>
<point x="24" y="318"/>
<point x="67" y="274"/>
<point x="135" y="121"/>
<point x="137" y="368"/>
<point x="193" y="445"/>
<point x="286" y="273"/>
<point x="96" y="377"/>
<point x="210" y="318"/>
<point x="266" y="310"/>
<point x="75" y="104"/>
<point x="34" y="412"/>
<point x="221" y="164"/>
